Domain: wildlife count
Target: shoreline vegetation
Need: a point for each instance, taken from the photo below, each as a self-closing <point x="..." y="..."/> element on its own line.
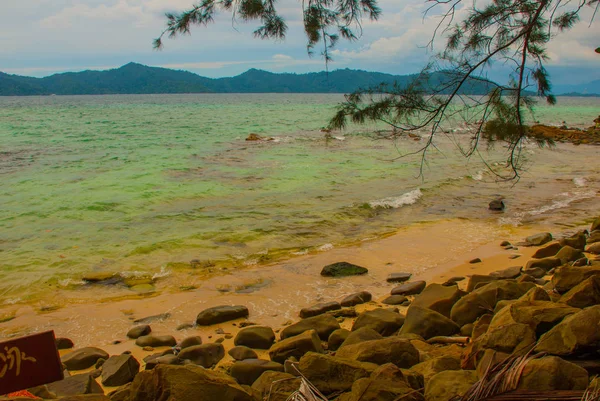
<point x="136" y="78"/>
<point x="528" y="304"/>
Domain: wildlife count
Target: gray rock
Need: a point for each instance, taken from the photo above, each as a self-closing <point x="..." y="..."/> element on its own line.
<point x="535" y="272"/>
<point x="63" y="343"/>
<point x="343" y="269"/>
<point x="508" y="273"/>
<point x="154" y="318"/>
<point x="360" y="335"/>
<point x="247" y="371"/>
<point x="205" y="355"/>
<point x="394" y="350"/>
<point x="398" y="277"/>
<point x="446" y="385"/>
<point x="547" y="251"/>
<point x="83" y="358"/>
<point x="190" y="341"/>
<point x="427" y="323"/>
<point x="332" y="374"/>
<point x="138" y="331"/>
<point x="383" y="321"/>
<point x="153" y="340"/>
<point x="220" y="314"/>
<point x="395" y="300"/>
<point x="296" y="346"/>
<point x="319" y="309"/>
<point x="545" y="263"/>
<point x="538" y="239"/>
<point x="496" y="205"/>
<point x="260" y="337"/>
<point x="119" y="370"/>
<point x="336" y="339"/>
<point x="356" y="298"/>
<point x="409" y="288"/>
<point x="75" y="385"/>
<point x="241" y="352"/>
<point x="324" y="325"/>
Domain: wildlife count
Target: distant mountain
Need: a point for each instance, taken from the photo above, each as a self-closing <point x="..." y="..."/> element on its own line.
<point x="135" y="78"/>
<point x="588" y="89"/>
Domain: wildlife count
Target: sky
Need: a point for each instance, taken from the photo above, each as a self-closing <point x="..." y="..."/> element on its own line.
<point x="43" y="37"/>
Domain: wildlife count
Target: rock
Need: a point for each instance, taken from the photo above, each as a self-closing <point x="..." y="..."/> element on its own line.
<point x="593" y="238"/>
<point x="535" y="294"/>
<point x="595" y="224"/>
<point x="121" y="393"/>
<point x="535" y="272"/>
<point x="577" y="241"/>
<point x="546" y="263"/>
<point x="593" y="248"/>
<point x="476" y="260"/>
<point x="481" y="326"/>
<point x="101" y="277"/>
<point x="336" y="339"/>
<point x="446" y="385"/>
<point x="386" y="383"/>
<point x="154" y="318"/>
<point x="343" y="269"/>
<point x="296" y="346"/>
<point x="497" y="205"/>
<point x="433" y="366"/>
<point x="438" y="298"/>
<point x="576" y="334"/>
<point x="276" y="386"/>
<point x="541" y="316"/>
<point x="319" y="309"/>
<point x="383" y="321"/>
<point x="547" y="251"/>
<point x="75" y="385"/>
<point x="260" y="337"/>
<point x="538" y="239"/>
<point x="153" y="340"/>
<point x="484" y="299"/>
<point x="552" y="373"/>
<point x="467" y="330"/>
<point x="394" y="350"/>
<point x="428" y="323"/>
<point x="220" y="314"/>
<point x="186" y="383"/>
<point x="395" y="300"/>
<point x="505" y="243"/>
<point x="360" y="335"/>
<point x="398" y="277"/>
<point x="138" y="331"/>
<point x="83" y="358"/>
<point x="324" y="325"/>
<point x="567" y="277"/>
<point x="584" y="294"/>
<point x="241" y="352"/>
<point x="185" y="326"/>
<point x="568" y="254"/>
<point x="409" y="288"/>
<point x="356" y="299"/>
<point x="247" y="371"/>
<point x="190" y="342"/>
<point x="63" y="343"/>
<point x="453" y="280"/>
<point x="478" y="280"/>
<point x="155" y="359"/>
<point x="119" y="370"/>
<point x="331" y="374"/>
<point x="205" y="355"/>
<point x="508" y="273"/>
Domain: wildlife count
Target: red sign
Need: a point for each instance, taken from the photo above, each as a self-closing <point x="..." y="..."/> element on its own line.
<point x="28" y="362"/>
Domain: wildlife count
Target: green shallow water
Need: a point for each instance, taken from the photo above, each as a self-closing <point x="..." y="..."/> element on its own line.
<point x="142" y="183"/>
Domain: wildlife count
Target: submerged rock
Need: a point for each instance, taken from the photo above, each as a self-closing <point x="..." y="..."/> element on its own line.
<point x="343" y="269"/>
<point x="220" y="314"/>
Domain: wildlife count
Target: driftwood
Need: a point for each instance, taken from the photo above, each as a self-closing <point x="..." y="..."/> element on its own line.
<point x="449" y="340"/>
<point x="522" y="395"/>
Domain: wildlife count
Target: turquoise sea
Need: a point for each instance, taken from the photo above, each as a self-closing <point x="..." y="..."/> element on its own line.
<point x="146" y="184"/>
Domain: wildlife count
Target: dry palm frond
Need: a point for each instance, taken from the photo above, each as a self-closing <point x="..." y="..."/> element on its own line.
<point x="500" y="378"/>
<point x="592" y="393"/>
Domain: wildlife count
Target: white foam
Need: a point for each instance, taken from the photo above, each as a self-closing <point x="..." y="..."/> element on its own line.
<point x="325" y="247"/>
<point x="568" y="198"/>
<point x="396" y="202"/>
<point x="579" y="182"/>
<point x="162" y="273"/>
<point x="478" y="176"/>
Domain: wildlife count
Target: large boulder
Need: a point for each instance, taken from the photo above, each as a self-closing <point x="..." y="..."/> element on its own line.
<point x="576" y="334"/>
<point x="319" y="309"/>
<point x="394" y="350"/>
<point x="593" y="248"/>
<point x="428" y="323"/>
<point x="569" y="254"/>
<point x="411" y="288"/>
<point x="383" y="321"/>
<point x="552" y="373"/>
<point x="337" y="338"/>
<point x="119" y="370"/>
<point x="296" y="346"/>
<point x="220" y="314"/>
<point x="360" y="335"/>
<point x="584" y="294"/>
<point x="438" y="298"/>
<point x="153" y="340"/>
<point x="259" y="337"/>
<point x="276" y="386"/>
<point x="546" y="264"/>
<point x="357" y="298"/>
<point x="567" y="277"/>
<point x="479" y="280"/>
<point x="248" y="370"/>
<point x="433" y="366"/>
<point x="240" y="352"/>
<point x="324" y="325"/>
<point x="538" y="239"/>
<point x="484" y="299"/>
<point x="190" y="342"/>
<point x="577" y="241"/>
<point x="186" y="383"/>
<point x="547" y="251"/>
<point x="343" y="269"/>
<point x="386" y="383"/>
<point x="205" y="355"/>
<point x="75" y="385"/>
<point x="508" y="273"/>
<point x="330" y="374"/>
<point x="541" y="316"/>
<point x="83" y="358"/>
<point x="448" y="384"/>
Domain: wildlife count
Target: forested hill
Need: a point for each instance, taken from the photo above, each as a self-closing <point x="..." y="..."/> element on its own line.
<point x="135" y="78"/>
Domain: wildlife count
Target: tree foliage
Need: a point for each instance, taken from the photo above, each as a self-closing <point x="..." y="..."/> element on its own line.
<point x="477" y="34"/>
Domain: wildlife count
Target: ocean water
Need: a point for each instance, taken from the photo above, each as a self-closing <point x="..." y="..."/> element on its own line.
<point x="144" y="185"/>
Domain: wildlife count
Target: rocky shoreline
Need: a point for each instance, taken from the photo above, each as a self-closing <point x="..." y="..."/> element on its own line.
<point x="529" y="327"/>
